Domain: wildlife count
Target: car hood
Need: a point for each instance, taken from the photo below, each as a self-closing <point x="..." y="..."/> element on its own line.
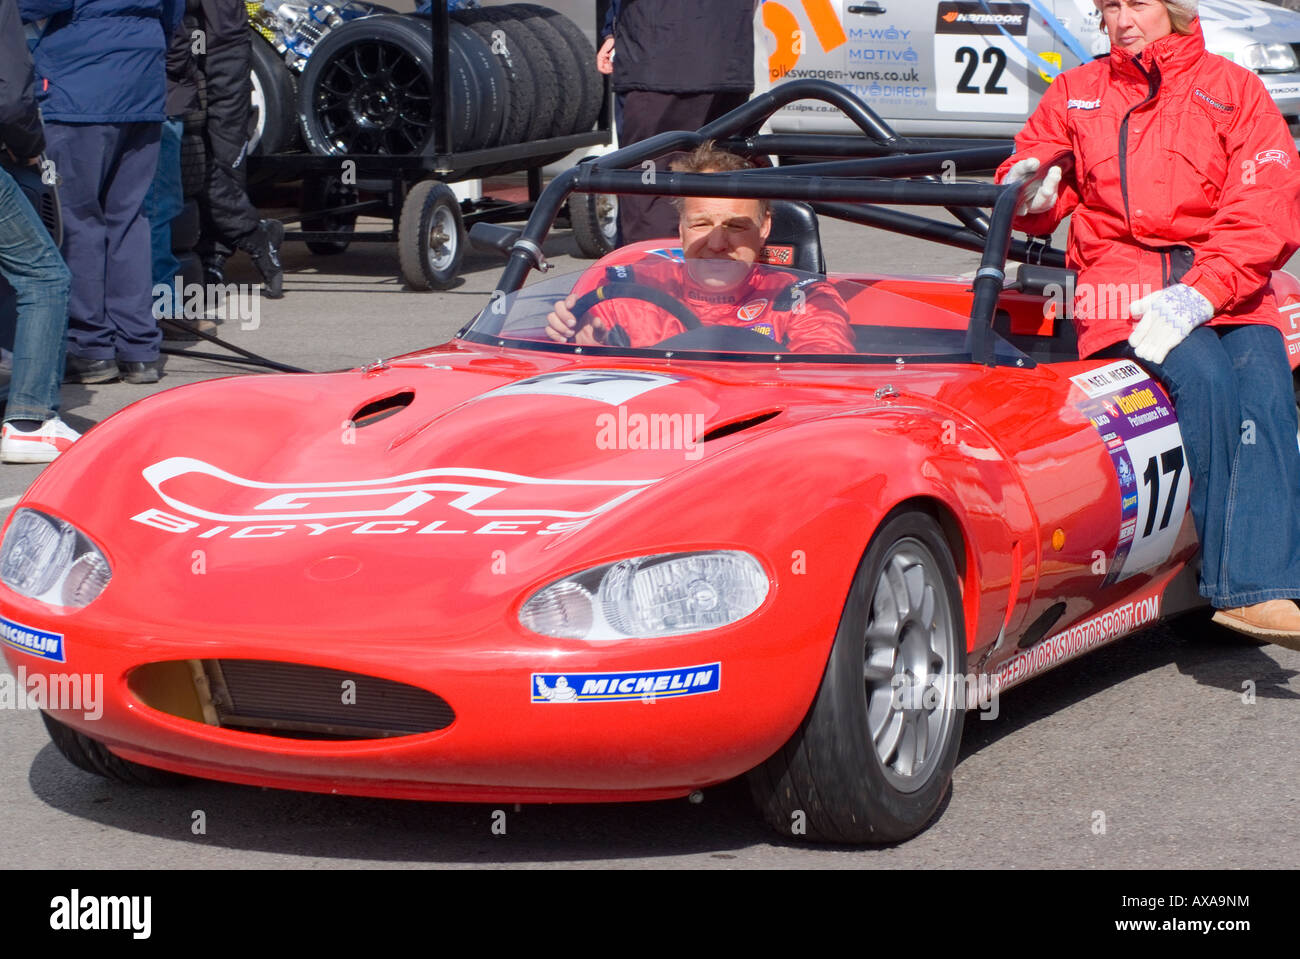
<point x="434" y="483"/>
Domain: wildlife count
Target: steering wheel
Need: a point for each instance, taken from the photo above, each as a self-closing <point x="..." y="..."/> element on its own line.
<point x="635" y="291"/>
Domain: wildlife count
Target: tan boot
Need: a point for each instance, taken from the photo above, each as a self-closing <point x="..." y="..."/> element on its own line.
<point x="1276" y="620"/>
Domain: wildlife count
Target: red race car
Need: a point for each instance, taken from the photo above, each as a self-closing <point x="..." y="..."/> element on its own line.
<point x="515" y="569"/>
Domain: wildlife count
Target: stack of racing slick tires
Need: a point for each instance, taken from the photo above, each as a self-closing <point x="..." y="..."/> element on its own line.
<point x="518" y="73"/>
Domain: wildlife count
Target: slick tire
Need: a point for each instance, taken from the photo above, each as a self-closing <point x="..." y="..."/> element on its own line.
<point x="873" y="759"/>
<point x="538" y="66"/>
<point x="493" y="99"/>
<point x="430" y="237"/>
<point x="501" y="39"/>
<point x="94" y="757"/>
<point x="275" y="99"/>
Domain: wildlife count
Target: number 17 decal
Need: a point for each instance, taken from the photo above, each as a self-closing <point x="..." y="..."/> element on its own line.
<point x="1171" y="461"/>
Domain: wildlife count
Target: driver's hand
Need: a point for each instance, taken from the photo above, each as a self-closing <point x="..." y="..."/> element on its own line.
<point x="562" y="325"/>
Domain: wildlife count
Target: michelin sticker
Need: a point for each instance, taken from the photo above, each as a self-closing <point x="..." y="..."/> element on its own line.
<point x="626" y="686"/>
<point x="32" y="641"/>
<point x="1126" y="405"/>
<point x="979" y="62"/>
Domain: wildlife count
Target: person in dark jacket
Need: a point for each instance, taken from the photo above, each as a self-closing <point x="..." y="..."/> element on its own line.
<point x="100" y="82"/>
<point x="677" y="65"/>
<point x="229" y="219"/>
<point x="165" y="199"/>
<point x="29" y="261"/>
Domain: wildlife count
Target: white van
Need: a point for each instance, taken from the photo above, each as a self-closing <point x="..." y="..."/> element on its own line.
<point x="978" y="67"/>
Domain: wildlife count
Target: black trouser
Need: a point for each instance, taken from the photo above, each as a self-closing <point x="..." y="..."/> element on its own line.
<point x="228" y="216"/>
<point x="646" y="113"/>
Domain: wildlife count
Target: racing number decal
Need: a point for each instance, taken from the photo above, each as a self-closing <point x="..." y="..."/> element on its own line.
<point x="978" y="69"/>
<point x="1136" y="422"/>
<point x="1171" y="461"/>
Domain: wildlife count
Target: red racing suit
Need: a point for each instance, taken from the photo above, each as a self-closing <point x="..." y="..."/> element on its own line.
<point x="803" y="314"/>
<point x="1184" y="172"/>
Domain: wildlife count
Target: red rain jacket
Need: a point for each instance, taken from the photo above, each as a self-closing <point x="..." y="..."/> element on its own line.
<point x="1184" y="172"/>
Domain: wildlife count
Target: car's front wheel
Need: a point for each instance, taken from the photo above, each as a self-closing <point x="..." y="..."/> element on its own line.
<point x="874" y="757"/>
<point x="94" y="757"/>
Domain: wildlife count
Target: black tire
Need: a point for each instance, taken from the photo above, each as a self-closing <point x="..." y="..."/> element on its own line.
<point x="275" y="99"/>
<point x="324" y="193"/>
<point x="466" y="95"/>
<point x="502" y="38"/>
<point x="94" y="757"/>
<point x="590" y="88"/>
<point x="493" y="90"/>
<point x="540" y="67"/>
<point x="185" y="228"/>
<point x="564" y="106"/>
<point x="194" y="165"/>
<point x="430" y="237"/>
<point x="594" y="219"/>
<point x="830" y="778"/>
<point x="367" y="89"/>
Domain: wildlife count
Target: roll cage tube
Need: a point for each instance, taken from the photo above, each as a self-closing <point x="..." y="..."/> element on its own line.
<point x="836" y="188"/>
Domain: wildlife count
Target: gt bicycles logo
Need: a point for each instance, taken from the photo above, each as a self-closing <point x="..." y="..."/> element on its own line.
<point x="515" y="504"/>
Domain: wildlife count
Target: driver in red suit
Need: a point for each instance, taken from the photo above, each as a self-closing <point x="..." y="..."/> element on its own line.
<point x="718" y="281"/>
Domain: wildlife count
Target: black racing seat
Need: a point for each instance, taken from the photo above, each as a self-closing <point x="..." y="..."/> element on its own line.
<point x="795" y="241"/>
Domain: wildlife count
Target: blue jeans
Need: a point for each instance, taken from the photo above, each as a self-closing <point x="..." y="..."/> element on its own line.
<point x="162" y="204"/>
<point x="1236" y="406"/>
<point x="37" y="291"/>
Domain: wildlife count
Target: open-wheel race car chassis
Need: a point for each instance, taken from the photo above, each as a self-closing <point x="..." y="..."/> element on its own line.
<point x="428" y="221"/>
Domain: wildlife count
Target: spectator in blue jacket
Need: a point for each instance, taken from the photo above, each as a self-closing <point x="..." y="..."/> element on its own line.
<point x="101" y="84"/>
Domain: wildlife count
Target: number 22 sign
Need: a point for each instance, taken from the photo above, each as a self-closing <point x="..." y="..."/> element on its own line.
<point x="978" y="67"/>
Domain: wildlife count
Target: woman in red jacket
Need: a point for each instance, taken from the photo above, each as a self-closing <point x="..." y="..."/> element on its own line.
<point x="1185" y="195"/>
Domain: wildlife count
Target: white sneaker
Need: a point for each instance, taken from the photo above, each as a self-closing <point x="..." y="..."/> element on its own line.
<point x="41" y="445"/>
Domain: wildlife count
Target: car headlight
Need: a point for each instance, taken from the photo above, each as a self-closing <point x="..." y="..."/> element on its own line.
<point x="1270" y="58"/>
<point x="649" y="596"/>
<point x="48" y="559"/>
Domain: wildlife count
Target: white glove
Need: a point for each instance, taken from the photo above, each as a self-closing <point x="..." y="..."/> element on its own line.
<point x="1043" y="197"/>
<point x="1167" y="316"/>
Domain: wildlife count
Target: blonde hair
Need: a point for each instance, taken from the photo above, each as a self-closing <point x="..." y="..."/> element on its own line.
<point x="1178" y="16"/>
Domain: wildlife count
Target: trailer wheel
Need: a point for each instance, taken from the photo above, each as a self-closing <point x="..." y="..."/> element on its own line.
<point x="324" y="194"/>
<point x="430" y="237"/>
<point x="594" y="219"/>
